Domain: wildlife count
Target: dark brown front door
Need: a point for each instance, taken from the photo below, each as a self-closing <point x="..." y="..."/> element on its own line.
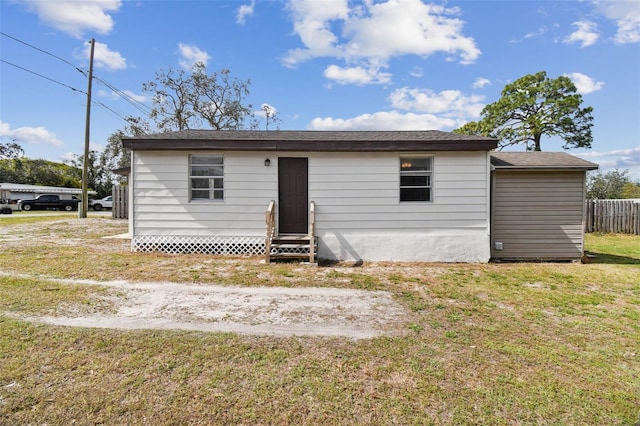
<point x="293" y="195"/>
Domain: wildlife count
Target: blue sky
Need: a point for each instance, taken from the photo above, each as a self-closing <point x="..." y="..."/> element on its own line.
<point x="322" y="64"/>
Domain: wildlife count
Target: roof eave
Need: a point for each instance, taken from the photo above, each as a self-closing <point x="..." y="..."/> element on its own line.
<point x="545" y="168"/>
<point x="308" y="146"/>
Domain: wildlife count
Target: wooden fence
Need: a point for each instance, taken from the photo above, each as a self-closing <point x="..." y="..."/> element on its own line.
<point x="620" y="216"/>
<point x="120" y="209"/>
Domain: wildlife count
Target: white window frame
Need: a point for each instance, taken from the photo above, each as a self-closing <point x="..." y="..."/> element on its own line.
<point x="404" y="163"/>
<point x="212" y="178"/>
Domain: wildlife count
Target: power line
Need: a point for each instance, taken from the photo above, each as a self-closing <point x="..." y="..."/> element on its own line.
<point x="120" y="116"/>
<point x="42" y="76"/>
<point x="144" y="109"/>
<point x="136" y="104"/>
<point x="123" y="118"/>
<point x="45" y="52"/>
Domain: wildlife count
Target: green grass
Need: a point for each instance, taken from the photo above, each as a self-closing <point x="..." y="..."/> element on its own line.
<point x="521" y="343"/>
<point x="614" y="248"/>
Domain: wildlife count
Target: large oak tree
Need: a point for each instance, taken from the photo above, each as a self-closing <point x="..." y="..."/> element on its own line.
<point x="534" y="106"/>
<point x="187" y="100"/>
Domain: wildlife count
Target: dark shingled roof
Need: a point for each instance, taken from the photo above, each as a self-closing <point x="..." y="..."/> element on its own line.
<point x="308" y="141"/>
<point x="539" y="161"/>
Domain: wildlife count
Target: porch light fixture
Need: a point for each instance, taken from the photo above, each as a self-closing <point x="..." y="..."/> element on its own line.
<point x="267" y="162"/>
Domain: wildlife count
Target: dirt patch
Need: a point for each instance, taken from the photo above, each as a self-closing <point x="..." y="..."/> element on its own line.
<point x="277" y="311"/>
<point x="192" y="292"/>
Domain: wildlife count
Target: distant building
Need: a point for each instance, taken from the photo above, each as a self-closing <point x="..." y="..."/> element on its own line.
<point x="17" y="191"/>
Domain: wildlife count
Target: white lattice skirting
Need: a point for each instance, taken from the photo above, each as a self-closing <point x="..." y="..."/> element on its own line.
<point x="219" y="244"/>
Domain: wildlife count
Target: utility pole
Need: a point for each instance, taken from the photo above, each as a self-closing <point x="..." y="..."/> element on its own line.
<point x="84" y="203"/>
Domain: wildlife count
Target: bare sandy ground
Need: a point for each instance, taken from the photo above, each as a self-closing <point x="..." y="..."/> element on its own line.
<point x="279" y="311"/>
<point x="276" y="311"/>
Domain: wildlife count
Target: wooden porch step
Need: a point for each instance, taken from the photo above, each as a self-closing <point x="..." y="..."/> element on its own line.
<point x="290" y="256"/>
<point x="290" y="238"/>
<point x="292" y="246"/>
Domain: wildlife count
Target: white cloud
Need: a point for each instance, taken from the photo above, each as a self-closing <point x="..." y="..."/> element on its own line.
<point x="244" y="11"/>
<point x="30" y="135"/>
<point x="626" y="15"/>
<point x="115" y="96"/>
<point x="616" y="159"/>
<point x="448" y="103"/>
<point x="586" y="34"/>
<point x="76" y="17"/>
<point x="192" y="55"/>
<point x="416" y="72"/>
<point x="367" y="36"/>
<point x="481" y="82"/>
<point x="535" y="34"/>
<point x="105" y="58"/>
<point x="387" y="120"/>
<point x="356" y="75"/>
<point x="312" y="23"/>
<point x="264" y="109"/>
<point x="412" y="109"/>
<point x="584" y="83"/>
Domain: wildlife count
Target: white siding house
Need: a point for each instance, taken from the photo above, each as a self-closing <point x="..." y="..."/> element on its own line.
<point x="401" y="196"/>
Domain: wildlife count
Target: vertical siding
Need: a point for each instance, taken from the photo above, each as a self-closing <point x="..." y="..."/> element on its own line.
<point x="538" y="215"/>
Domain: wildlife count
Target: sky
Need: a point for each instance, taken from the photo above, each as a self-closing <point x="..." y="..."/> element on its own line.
<point x="321" y="64"/>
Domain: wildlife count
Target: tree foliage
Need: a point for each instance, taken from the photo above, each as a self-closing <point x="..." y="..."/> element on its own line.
<point x="612" y="185"/>
<point x="631" y="190"/>
<point x="534" y="106"/>
<point x="99" y="175"/>
<point x="183" y="100"/>
<point x="180" y="100"/>
<point x="39" y="172"/>
<point x="10" y="150"/>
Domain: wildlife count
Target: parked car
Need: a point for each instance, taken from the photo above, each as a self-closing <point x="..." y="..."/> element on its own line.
<point x="48" y="202"/>
<point x="104" y="203"/>
<point x="6" y="207"/>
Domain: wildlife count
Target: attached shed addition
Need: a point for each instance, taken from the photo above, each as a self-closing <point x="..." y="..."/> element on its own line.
<point x="537" y="206"/>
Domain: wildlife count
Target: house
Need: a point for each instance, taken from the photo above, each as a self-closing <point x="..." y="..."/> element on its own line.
<point x="537" y="205"/>
<point x="358" y="195"/>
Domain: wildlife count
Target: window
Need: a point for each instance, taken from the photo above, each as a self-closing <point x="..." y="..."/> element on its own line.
<point x="206" y="176"/>
<point x="415" y="179"/>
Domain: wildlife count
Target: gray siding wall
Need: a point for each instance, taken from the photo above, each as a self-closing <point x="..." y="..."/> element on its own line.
<point x="538" y="215"/>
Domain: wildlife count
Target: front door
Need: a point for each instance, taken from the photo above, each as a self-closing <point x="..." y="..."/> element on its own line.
<point x="293" y="195"/>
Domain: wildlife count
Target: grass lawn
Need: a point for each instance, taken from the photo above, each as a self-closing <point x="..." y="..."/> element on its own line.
<point x="520" y="343"/>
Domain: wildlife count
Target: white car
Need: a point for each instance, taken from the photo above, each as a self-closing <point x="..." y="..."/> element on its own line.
<point x="105" y="203"/>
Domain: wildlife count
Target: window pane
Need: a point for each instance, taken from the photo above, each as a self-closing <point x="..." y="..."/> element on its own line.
<point x="206" y="170"/>
<point x="206" y="159"/>
<point x="206" y="177"/>
<point x="199" y="194"/>
<point x="414" y="180"/>
<point x="199" y="183"/>
<point x="415" y="194"/>
<point x="415" y="164"/>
